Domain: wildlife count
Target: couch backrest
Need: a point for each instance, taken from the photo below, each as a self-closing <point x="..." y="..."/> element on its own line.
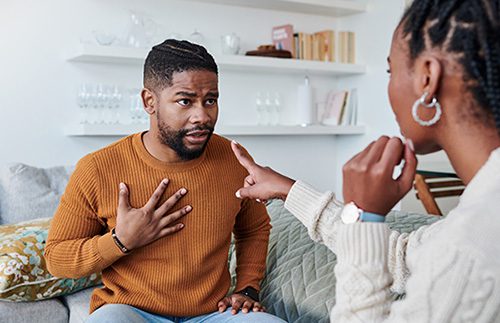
<point x="28" y="192"/>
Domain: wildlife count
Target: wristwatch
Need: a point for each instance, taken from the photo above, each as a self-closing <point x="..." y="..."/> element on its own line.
<point x="351" y="213"/>
<point x="250" y="292"/>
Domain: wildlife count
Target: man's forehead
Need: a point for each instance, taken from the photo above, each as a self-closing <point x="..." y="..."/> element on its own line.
<point x="194" y="76"/>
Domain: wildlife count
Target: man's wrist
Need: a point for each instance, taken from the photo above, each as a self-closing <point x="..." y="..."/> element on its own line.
<point x="118" y="243"/>
<point x="250" y="292"/>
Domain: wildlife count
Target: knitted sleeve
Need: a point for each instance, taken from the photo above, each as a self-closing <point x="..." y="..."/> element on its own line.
<point x="320" y="213"/>
<point x="77" y="244"/>
<point x="447" y="284"/>
<point x="251" y="232"/>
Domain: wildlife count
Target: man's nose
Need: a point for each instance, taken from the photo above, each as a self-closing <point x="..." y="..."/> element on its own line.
<point x="201" y="115"/>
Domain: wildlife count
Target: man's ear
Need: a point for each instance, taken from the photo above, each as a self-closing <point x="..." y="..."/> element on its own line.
<point x="428" y="73"/>
<point x="149" y="100"/>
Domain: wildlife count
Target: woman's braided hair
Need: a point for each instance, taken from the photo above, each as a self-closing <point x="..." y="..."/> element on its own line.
<point x="174" y="56"/>
<point x="468" y="29"/>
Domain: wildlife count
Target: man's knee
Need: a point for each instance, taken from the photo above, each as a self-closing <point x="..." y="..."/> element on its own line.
<point x="252" y="317"/>
<point x="115" y="313"/>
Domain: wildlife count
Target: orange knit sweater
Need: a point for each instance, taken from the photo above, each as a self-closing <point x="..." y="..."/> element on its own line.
<point x="184" y="274"/>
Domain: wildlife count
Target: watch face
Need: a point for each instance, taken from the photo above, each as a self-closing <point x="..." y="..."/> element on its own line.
<point x="350" y="213"/>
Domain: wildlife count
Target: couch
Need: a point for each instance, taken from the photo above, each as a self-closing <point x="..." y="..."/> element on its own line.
<point x="299" y="284"/>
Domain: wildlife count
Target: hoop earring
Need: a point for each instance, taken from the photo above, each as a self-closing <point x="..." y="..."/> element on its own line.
<point x="434" y="104"/>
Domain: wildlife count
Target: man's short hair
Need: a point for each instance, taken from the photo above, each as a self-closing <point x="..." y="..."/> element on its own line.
<point x="174" y="56"/>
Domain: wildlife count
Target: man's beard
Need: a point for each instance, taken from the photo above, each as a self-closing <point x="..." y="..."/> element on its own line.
<point x="174" y="140"/>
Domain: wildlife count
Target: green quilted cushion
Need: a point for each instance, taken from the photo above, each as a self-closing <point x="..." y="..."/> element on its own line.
<point x="23" y="273"/>
<point x="300" y="282"/>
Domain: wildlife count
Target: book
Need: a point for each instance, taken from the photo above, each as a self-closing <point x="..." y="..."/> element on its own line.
<point x="347" y="47"/>
<point x="283" y="38"/>
<point x="350" y="112"/>
<point x="326" y="45"/>
<point x="334" y="108"/>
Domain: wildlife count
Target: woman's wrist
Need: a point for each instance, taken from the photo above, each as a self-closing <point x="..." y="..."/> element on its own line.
<point x="285" y="189"/>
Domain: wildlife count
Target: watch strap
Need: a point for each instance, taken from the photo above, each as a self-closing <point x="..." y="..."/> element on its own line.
<point x="250" y="292"/>
<point x="371" y="217"/>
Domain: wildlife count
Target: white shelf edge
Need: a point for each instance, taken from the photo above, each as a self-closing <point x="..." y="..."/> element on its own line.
<point x="329" y="8"/>
<point x="123" y="55"/>
<point x="313" y="130"/>
<point x="231" y="130"/>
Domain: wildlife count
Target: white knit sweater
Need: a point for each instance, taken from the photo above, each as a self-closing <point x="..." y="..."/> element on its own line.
<point x="449" y="270"/>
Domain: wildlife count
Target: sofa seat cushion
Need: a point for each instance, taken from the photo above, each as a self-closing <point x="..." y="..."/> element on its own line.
<point x="52" y="310"/>
<point x="78" y="305"/>
<point x="299" y="285"/>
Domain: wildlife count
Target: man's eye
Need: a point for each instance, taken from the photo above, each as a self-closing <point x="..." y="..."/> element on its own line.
<point x="184" y="102"/>
<point x="211" y="101"/>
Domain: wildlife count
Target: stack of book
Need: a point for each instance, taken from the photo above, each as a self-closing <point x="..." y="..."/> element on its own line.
<point x="341" y="108"/>
<point x="318" y="46"/>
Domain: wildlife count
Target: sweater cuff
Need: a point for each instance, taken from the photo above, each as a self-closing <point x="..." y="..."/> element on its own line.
<point x="363" y="243"/>
<point x="303" y="201"/>
<point x="108" y="249"/>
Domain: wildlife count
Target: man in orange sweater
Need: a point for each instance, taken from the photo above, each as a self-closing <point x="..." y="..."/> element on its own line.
<point x="162" y="261"/>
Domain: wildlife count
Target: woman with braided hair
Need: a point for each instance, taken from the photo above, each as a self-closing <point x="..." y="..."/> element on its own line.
<point x="444" y="90"/>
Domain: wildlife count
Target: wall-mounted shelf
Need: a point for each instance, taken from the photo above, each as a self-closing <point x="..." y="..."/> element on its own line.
<point x="331" y="8"/>
<point x="233" y="130"/>
<point x="135" y="56"/>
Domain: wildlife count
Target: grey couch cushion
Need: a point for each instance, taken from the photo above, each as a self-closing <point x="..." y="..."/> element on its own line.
<point x="300" y="281"/>
<point x="28" y="192"/>
<point x="49" y="311"/>
<point x="78" y="305"/>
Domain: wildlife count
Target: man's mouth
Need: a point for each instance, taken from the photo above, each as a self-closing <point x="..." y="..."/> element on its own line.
<point x="197" y="137"/>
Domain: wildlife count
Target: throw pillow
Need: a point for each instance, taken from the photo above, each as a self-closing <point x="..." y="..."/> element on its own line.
<point x="26" y="191"/>
<point x="23" y="272"/>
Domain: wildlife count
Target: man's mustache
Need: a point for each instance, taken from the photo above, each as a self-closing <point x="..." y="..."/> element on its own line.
<point x="204" y="127"/>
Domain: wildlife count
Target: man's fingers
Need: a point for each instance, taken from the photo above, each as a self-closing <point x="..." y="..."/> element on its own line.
<point x="257" y="307"/>
<point x="246" y="307"/>
<point x="223" y="304"/>
<point x="170" y="202"/>
<point x="170" y="230"/>
<point x="123" y="198"/>
<point x="243" y="159"/>
<point x="236" y="307"/>
<point x="171" y="218"/>
<point x="153" y="200"/>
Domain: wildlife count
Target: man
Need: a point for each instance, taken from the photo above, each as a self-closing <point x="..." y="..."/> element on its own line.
<point x="161" y="262"/>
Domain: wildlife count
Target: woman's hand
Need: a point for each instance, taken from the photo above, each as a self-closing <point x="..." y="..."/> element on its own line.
<point x="262" y="183"/>
<point x="368" y="176"/>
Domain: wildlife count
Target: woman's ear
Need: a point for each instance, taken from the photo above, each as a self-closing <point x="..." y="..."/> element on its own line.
<point x="428" y="74"/>
<point x="149" y="100"/>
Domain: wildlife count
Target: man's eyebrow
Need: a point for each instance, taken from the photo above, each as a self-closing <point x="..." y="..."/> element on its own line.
<point x="214" y="94"/>
<point x="185" y="93"/>
<point x="388" y="60"/>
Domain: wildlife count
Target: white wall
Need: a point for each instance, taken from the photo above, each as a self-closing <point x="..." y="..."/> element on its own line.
<point x="38" y="86"/>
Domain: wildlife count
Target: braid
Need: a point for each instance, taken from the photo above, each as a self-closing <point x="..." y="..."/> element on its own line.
<point x="469" y="30"/>
<point x="174" y="56"/>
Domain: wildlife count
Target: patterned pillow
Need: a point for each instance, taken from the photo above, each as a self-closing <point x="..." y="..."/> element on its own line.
<point x="23" y="273"/>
